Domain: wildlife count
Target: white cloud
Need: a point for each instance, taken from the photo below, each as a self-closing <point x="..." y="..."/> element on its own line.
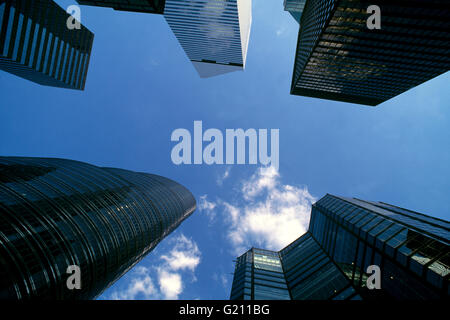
<point x="141" y="270"/>
<point x="141" y="285"/>
<point x="224" y="176"/>
<point x="207" y="207"/>
<point x="184" y="255"/>
<point x="267" y="214"/>
<point x="180" y="261"/>
<point x="265" y="179"/>
<point x="170" y="284"/>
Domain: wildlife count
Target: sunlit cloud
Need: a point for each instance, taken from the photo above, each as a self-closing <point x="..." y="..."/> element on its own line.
<point x="266" y="212"/>
<point x="170" y="284"/>
<point x="185" y="255"/>
<point x="166" y="279"/>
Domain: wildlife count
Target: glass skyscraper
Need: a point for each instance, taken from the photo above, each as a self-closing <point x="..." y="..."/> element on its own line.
<point x="339" y="58"/>
<point x="213" y="33"/>
<point x="55" y="213"/>
<point x="345" y="237"/>
<point x="147" y="6"/>
<point x="259" y="276"/>
<point x="295" y="8"/>
<point x="36" y="44"/>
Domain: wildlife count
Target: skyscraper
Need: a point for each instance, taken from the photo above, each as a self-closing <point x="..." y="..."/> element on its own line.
<point x="147" y="6"/>
<point x="259" y="276"/>
<point x="36" y="44"/>
<point x="213" y="33"/>
<point x="295" y="8"/>
<point x="56" y="213"/>
<point x="345" y="237"/>
<point x="340" y="58"/>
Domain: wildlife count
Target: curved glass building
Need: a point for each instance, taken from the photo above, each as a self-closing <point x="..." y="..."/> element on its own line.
<point x="55" y="213"/>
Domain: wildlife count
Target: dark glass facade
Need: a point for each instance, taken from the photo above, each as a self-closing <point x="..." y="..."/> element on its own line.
<point x="55" y="213"/>
<point x="295" y="8"/>
<point x="346" y="236"/>
<point x="339" y="58"/>
<point x="37" y="45"/>
<point x="259" y="276"/>
<point x="311" y="273"/>
<point x="146" y="6"/>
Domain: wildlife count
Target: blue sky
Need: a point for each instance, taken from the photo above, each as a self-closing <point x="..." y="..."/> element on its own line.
<point x="141" y="86"/>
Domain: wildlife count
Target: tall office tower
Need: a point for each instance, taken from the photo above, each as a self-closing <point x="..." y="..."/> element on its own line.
<point x="339" y="58"/>
<point x="56" y="213"/>
<point x="259" y="276"/>
<point x="345" y="237"/>
<point x="146" y="6"/>
<point x="213" y="33"/>
<point x="36" y="44"/>
<point x="295" y="8"/>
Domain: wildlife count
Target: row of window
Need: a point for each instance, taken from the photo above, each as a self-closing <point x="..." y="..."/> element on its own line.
<point x="39" y="47"/>
<point x="207" y="31"/>
<point x="357" y="238"/>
